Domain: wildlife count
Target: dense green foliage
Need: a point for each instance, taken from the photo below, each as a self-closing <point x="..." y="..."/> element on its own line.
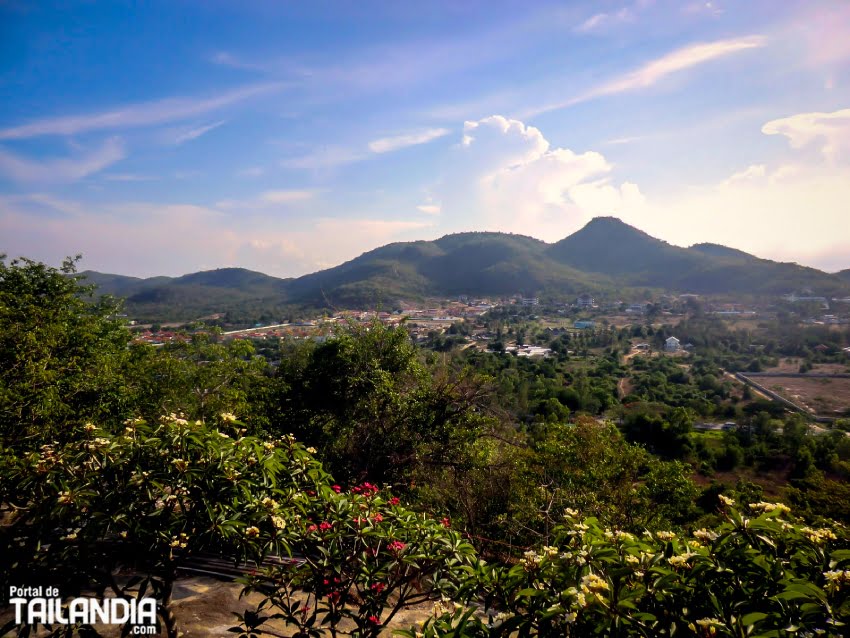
<point x="59" y="352"/>
<point x="754" y="575"/>
<point x="488" y="449"/>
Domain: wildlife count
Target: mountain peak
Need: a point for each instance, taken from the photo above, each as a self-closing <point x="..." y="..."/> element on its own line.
<point x="610" y="246"/>
<point x="613" y="229"/>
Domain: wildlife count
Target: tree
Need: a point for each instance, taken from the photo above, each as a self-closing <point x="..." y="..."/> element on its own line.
<point x="61" y="352"/>
<point x="373" y="409"/>
<point x="199" y="377"/>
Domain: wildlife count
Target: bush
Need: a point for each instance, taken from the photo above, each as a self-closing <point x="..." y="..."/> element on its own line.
<point x="360" y="559"/>
<point x="756" y="574"/>
<point x="146" y="500"/>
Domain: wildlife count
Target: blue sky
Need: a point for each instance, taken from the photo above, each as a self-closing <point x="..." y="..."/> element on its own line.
<point x="286" y="137"/>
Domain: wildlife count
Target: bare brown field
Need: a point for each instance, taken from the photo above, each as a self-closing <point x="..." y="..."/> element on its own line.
<point x="823" y="396"/>
<point x="793" y="365"/>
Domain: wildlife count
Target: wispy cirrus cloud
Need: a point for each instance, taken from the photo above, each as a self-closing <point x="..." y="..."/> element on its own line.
<point x="128" y="177"/>
<point x="268" y="199"/>
<point x="389" y="144"/>
<point x="599" y="21"/>
<point x="195" y="133"/>
<point x="324" y="157"/>
<point x="653" y="72"/>
<point x="65" y="169"/>
<point x="137" y="115"/>
<point x="332" y="156"/>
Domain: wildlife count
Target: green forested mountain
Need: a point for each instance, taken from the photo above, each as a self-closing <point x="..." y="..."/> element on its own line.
<point x="464" y="263"/>
<point x="607" y="245"/>
<point x="606" y="254"/>
<point x="195" y="294"/>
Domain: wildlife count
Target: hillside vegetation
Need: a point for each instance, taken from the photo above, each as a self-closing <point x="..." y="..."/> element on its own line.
<point x="606" y="255"/>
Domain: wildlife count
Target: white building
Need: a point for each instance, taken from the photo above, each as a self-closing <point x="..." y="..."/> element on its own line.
<point x="672" y="344"/>
<point x="585" y="301"/>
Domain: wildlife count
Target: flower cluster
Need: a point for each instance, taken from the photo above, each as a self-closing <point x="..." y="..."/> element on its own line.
<point x="819" y="536"/>
<point x="706" y="535"/>
<point x="366" y="489"/>
<point x="763" y="506"/>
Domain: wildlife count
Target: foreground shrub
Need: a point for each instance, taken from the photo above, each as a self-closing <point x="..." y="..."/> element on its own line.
<point x="361" y="558"/>
<point x="145" y="501"/>
<point x="757" y="574"/>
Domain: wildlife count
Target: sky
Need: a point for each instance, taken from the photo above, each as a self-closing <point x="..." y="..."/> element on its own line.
<point x="163" y="138"/>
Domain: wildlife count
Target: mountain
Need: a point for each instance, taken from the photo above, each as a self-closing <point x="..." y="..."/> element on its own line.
<point x="193" y="295"/>
<point x="464" y="263"/>
<point x="716" y="250"/>
<point x="608" y="246"/>
<point x="606" y="255"/>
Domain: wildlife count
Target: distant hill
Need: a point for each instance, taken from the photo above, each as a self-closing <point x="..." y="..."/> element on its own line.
<point x="605" y="255"/>
<point x="465" y="263"/>
<point x="607" y="245"/>
<point x="716" y="250"/>
<point x="193" y="295"/>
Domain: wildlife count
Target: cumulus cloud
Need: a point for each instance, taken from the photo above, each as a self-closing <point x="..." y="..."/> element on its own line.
<point x="506" y="176"/>
<point x="830" y="130"/>
<point x="789" y="213"/>
<point x="66" y="169"/>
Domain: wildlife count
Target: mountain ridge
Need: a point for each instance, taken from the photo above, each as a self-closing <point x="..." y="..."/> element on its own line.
<point x="606" y="255"/>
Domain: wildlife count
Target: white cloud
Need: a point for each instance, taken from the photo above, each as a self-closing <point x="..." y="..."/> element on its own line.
<point x="128" y="177"/>
<point x="655" y="71"/>
<point x="830" y="130"/>
<point x="506" y="176"/>
<point x="324" y="157"/>
<point x="676" y="61"/>
<point x="195" y="133"/>
<point x="332" y="156"/>
<point x="791" y="213"/>
<point x="600" y="21"/>
<point x="148" y="238"/>
<point x="66" y="169"/>
<point x="429" y="209"/>
<point x="286" y="196"/>
<point x="754" y="171"/>
<point x="135" y="115"/>
<point x="388" y="144"/>
<point x="267" y="199"/>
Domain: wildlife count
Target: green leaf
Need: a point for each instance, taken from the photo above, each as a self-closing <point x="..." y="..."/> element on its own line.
<point x="752" y="618"/>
